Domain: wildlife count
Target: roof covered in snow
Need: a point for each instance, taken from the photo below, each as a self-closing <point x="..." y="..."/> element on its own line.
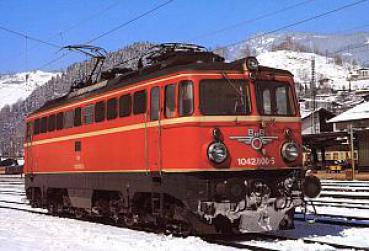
<point x="358" y="112"/>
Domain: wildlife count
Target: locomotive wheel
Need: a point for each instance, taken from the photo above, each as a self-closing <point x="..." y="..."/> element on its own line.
<point x="129" y="220"/>
<point x="79" y="213"/>
<point x="52" y="209"/>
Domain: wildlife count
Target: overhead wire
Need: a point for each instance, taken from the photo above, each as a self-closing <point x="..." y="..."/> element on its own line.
<point x="120" y="26"/>
<point x="72" y="27"/>
<point x="130" y="21"/>
<point x="35" y="39"/>
<point x="296" y="23"/>
<point x="229" y="45"/>
<point x="277" y="29"/>
<point x="251" y="20"/>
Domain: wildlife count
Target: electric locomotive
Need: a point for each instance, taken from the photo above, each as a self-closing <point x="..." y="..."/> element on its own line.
<point x="187" y="143"/>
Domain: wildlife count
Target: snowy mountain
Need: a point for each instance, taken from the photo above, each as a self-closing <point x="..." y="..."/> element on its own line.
<point x="299" y="64"/>
<point x="19" y="86"/>
<point x="351" y="47"/>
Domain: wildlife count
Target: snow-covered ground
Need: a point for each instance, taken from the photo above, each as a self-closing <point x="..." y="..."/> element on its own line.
<point x="26" y="231"/>
<point x="19" y="86"/>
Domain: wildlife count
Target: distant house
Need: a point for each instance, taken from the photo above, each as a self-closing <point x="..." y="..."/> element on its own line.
<point x="358" y="118"/>
<point x="359" y="74"/>
<point x="316" y="122"/>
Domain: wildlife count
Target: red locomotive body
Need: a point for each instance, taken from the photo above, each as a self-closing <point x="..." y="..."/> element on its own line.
<point x="210" y="146"/>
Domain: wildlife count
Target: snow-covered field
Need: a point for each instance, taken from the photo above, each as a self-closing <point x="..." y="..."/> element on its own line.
<point x="19" y="86"/>
<point x="27" y="231"/>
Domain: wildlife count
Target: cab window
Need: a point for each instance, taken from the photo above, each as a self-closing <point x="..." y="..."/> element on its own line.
<point x="185" y="98"/>
<point x="170" y="100"/>
<point x="275" y="98"/>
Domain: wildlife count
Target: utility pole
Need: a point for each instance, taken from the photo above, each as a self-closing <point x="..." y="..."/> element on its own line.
<point x="351" y="132"/>
<point x="313" y="95"/>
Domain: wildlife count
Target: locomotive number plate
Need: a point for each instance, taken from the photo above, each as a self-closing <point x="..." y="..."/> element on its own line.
<point x="263" y="161"/>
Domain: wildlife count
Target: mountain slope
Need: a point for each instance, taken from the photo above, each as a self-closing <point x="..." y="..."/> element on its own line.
<point x="351" y="47"/>
<point x="19" y="86"/>
<point x="299" y="64"/>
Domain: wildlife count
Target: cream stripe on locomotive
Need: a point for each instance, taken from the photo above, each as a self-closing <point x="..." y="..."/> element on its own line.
<point x="124" y="90"/>
<point x="166" y="122"/>
<point x="176" y="170"/>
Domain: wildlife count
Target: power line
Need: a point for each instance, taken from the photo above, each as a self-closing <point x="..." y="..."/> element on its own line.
<point x="81" y="22"/>
<point x="130" y="21"/>
<point x="251" y="20"/>
<point x="111" y="31"/>
<point x="348" y="48"/>
<point x="23" y="35"/>
<point x="297" y="23"/>
<point x="99" y="13"/>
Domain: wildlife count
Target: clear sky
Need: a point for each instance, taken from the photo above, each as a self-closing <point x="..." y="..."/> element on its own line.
<point x="64" y="22"/>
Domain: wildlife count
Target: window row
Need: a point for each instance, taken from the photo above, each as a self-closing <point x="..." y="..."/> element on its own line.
<point x="120" y="107"/>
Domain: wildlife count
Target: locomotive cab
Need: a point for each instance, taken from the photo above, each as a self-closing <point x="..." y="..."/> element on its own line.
<point x="255" y="144"/>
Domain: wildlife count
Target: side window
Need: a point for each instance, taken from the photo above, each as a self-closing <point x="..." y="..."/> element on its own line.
<point x="36" y="127"/>
<point x="267" y="103"/>
<point x="100" y="111"/>
<point x="170" y="100"/>
<point x="125" y="105"/>
<point x="154" y="103"/>
<point x="44" y="125"/>
<point x="59" y="121"/>
<point x="88" y="114"/>
<point x="77" y="116"/>
<point x="185" y="98"/>
<point x="68" y="119"/>
<point x="111" y="109"/>
<point x="139" y="102"/>
<point x="51" y="123"/>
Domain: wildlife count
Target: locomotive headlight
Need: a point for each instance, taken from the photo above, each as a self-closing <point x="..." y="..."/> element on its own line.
<point x="290" y="151"/>
<point x="217" y="152"/>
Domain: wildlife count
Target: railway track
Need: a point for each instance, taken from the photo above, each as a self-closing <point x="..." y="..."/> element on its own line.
<point x="241" y="242"/>
<point x="250" y="242"/>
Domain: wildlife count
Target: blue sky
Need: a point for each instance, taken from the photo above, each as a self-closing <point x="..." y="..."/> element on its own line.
<point x="73" y="22"/>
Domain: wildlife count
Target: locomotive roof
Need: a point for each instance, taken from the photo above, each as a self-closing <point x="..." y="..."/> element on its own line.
<point x="146" y="74"/>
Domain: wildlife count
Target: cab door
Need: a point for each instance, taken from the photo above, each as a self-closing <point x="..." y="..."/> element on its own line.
<point x="154" y="131"/>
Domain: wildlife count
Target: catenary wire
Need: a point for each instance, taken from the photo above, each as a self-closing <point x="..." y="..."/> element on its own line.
<point x="250" y="20"/>
<point x="296" y="23"/>
<point x="282" y="27"/>
<point x="72" y="27"/>
<point x="111" y="31"/>
<point x="35" y="39"/>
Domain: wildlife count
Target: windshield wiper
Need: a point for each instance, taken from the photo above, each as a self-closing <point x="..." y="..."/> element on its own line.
<point x="240" y="93"/>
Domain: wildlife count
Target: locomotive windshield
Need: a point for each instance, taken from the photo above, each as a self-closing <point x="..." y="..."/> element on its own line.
<point x="274" y="98"/>
<point x="224" y="97"/>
